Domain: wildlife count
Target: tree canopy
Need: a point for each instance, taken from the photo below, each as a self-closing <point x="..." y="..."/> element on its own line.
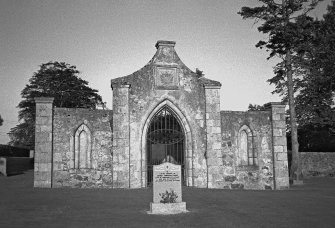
<point x="256" y="107"/>
<point x="313" y="72"/>
<point x="316" y="88"/>
<point x="54" y="79"/>
<point x="284" y="22"/>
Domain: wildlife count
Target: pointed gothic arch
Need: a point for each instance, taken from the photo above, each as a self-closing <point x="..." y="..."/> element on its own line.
<point x="247" y="155"/>
<point x="188" y="148"/>
<point x="82" y="148"/>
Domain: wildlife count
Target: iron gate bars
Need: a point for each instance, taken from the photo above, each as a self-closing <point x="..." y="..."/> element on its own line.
<point x="165" y="142"/>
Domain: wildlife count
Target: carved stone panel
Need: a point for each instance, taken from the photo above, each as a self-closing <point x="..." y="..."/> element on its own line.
<point x="166" y="78"/>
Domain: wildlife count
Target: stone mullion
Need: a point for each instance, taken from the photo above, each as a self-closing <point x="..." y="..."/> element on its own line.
<point x="121" y="137"/>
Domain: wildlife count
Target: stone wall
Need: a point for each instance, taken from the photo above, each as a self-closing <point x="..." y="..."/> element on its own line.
<point x="15" y="165"/>
<point x="12" y="151"/>
<point x="318" y="163"/>
<point x="78" y="131"/>
<point x="260" y="174"/>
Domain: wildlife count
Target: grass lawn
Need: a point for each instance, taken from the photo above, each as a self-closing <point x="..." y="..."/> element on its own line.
<point x="21" y="205"/>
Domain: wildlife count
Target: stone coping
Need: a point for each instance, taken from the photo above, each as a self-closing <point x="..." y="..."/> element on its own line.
<point x="43" y="99"/>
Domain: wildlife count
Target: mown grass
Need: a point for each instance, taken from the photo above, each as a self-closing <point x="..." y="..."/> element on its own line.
<point x="21" y="205"/>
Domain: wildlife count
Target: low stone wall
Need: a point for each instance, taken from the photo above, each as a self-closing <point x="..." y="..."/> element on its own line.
<point x="318" y="164"/>
<point x="12" y="151"/>
<point x="15" y="165"/>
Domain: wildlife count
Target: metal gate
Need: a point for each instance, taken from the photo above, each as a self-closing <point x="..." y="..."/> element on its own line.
<point x="165" y="142"/>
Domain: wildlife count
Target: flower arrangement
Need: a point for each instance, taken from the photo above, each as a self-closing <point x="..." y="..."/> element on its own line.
<point x="168" y="197"/>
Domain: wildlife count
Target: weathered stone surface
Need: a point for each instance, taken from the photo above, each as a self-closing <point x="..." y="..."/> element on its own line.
<point x="247" y="177"/>
<point x="66" y="122"/>
<point x="279" y="124"/>
<point x="43" y="142"/>
<point x="278" y="132"/>
<point x="281" y="156"/>
<point x="121" y="133"/>
<point x="280" y="149"/>
<point x="279" y="145"/>
<point x="237" y="186"/>
<point x="279" y="141"/>
<point x="213" y="130"/>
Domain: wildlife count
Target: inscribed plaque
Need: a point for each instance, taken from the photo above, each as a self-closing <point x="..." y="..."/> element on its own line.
<point x="167" y="183"/>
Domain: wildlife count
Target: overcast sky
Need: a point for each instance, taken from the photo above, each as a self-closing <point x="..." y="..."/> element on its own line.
<point x="106" y="39"/>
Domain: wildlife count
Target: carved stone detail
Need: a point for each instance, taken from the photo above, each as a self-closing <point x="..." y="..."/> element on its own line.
<point x="166" y="78"/>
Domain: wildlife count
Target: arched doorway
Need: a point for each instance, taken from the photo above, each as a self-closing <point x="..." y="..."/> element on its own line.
<point x="165" y="142"/>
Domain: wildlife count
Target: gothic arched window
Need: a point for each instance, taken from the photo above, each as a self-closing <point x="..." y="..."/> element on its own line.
<point x="246" y="153"/>
<point x="82" y="148"/>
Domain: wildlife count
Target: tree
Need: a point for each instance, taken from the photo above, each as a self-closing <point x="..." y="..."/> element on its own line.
<point x="256" y="107"/>
<point x="280" y="24"/>
<point x="313" y="75"/>
<point x="315" y="114"/>
<point x="1" y="121"/>
<point x="54" y="79"/>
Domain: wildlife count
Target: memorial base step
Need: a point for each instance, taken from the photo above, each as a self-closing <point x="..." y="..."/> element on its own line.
<point x="168" y="208"/>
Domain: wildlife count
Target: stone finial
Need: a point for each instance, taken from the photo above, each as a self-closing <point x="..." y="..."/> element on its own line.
<point x="165" y="43"/>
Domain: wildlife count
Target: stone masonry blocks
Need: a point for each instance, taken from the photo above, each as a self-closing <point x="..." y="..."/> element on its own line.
<point x="279" y="144"/>
<point x="213" y="129"/>
<point x="121" y="168"/>
<point x="43" y="143"/>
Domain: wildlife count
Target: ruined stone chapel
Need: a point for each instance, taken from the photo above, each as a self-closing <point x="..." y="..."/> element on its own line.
<point x="162" y="112"/>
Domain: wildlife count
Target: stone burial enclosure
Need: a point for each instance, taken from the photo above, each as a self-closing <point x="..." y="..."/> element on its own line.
<point x="162" y="112"/>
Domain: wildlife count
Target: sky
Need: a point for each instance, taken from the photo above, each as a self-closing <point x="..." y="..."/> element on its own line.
<point x="106" y="39"/>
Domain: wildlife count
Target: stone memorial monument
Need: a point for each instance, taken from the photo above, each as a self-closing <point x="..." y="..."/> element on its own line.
<point x="167" y="192"/>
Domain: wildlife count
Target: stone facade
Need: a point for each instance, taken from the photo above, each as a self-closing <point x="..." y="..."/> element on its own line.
<point x="101" y="148"/>
<point x="260" y="173"/>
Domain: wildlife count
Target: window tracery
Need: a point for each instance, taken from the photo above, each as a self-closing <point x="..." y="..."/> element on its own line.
<point x="247" y="156"/>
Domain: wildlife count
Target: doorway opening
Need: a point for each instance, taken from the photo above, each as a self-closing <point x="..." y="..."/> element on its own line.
<point x="165" y="142"/>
